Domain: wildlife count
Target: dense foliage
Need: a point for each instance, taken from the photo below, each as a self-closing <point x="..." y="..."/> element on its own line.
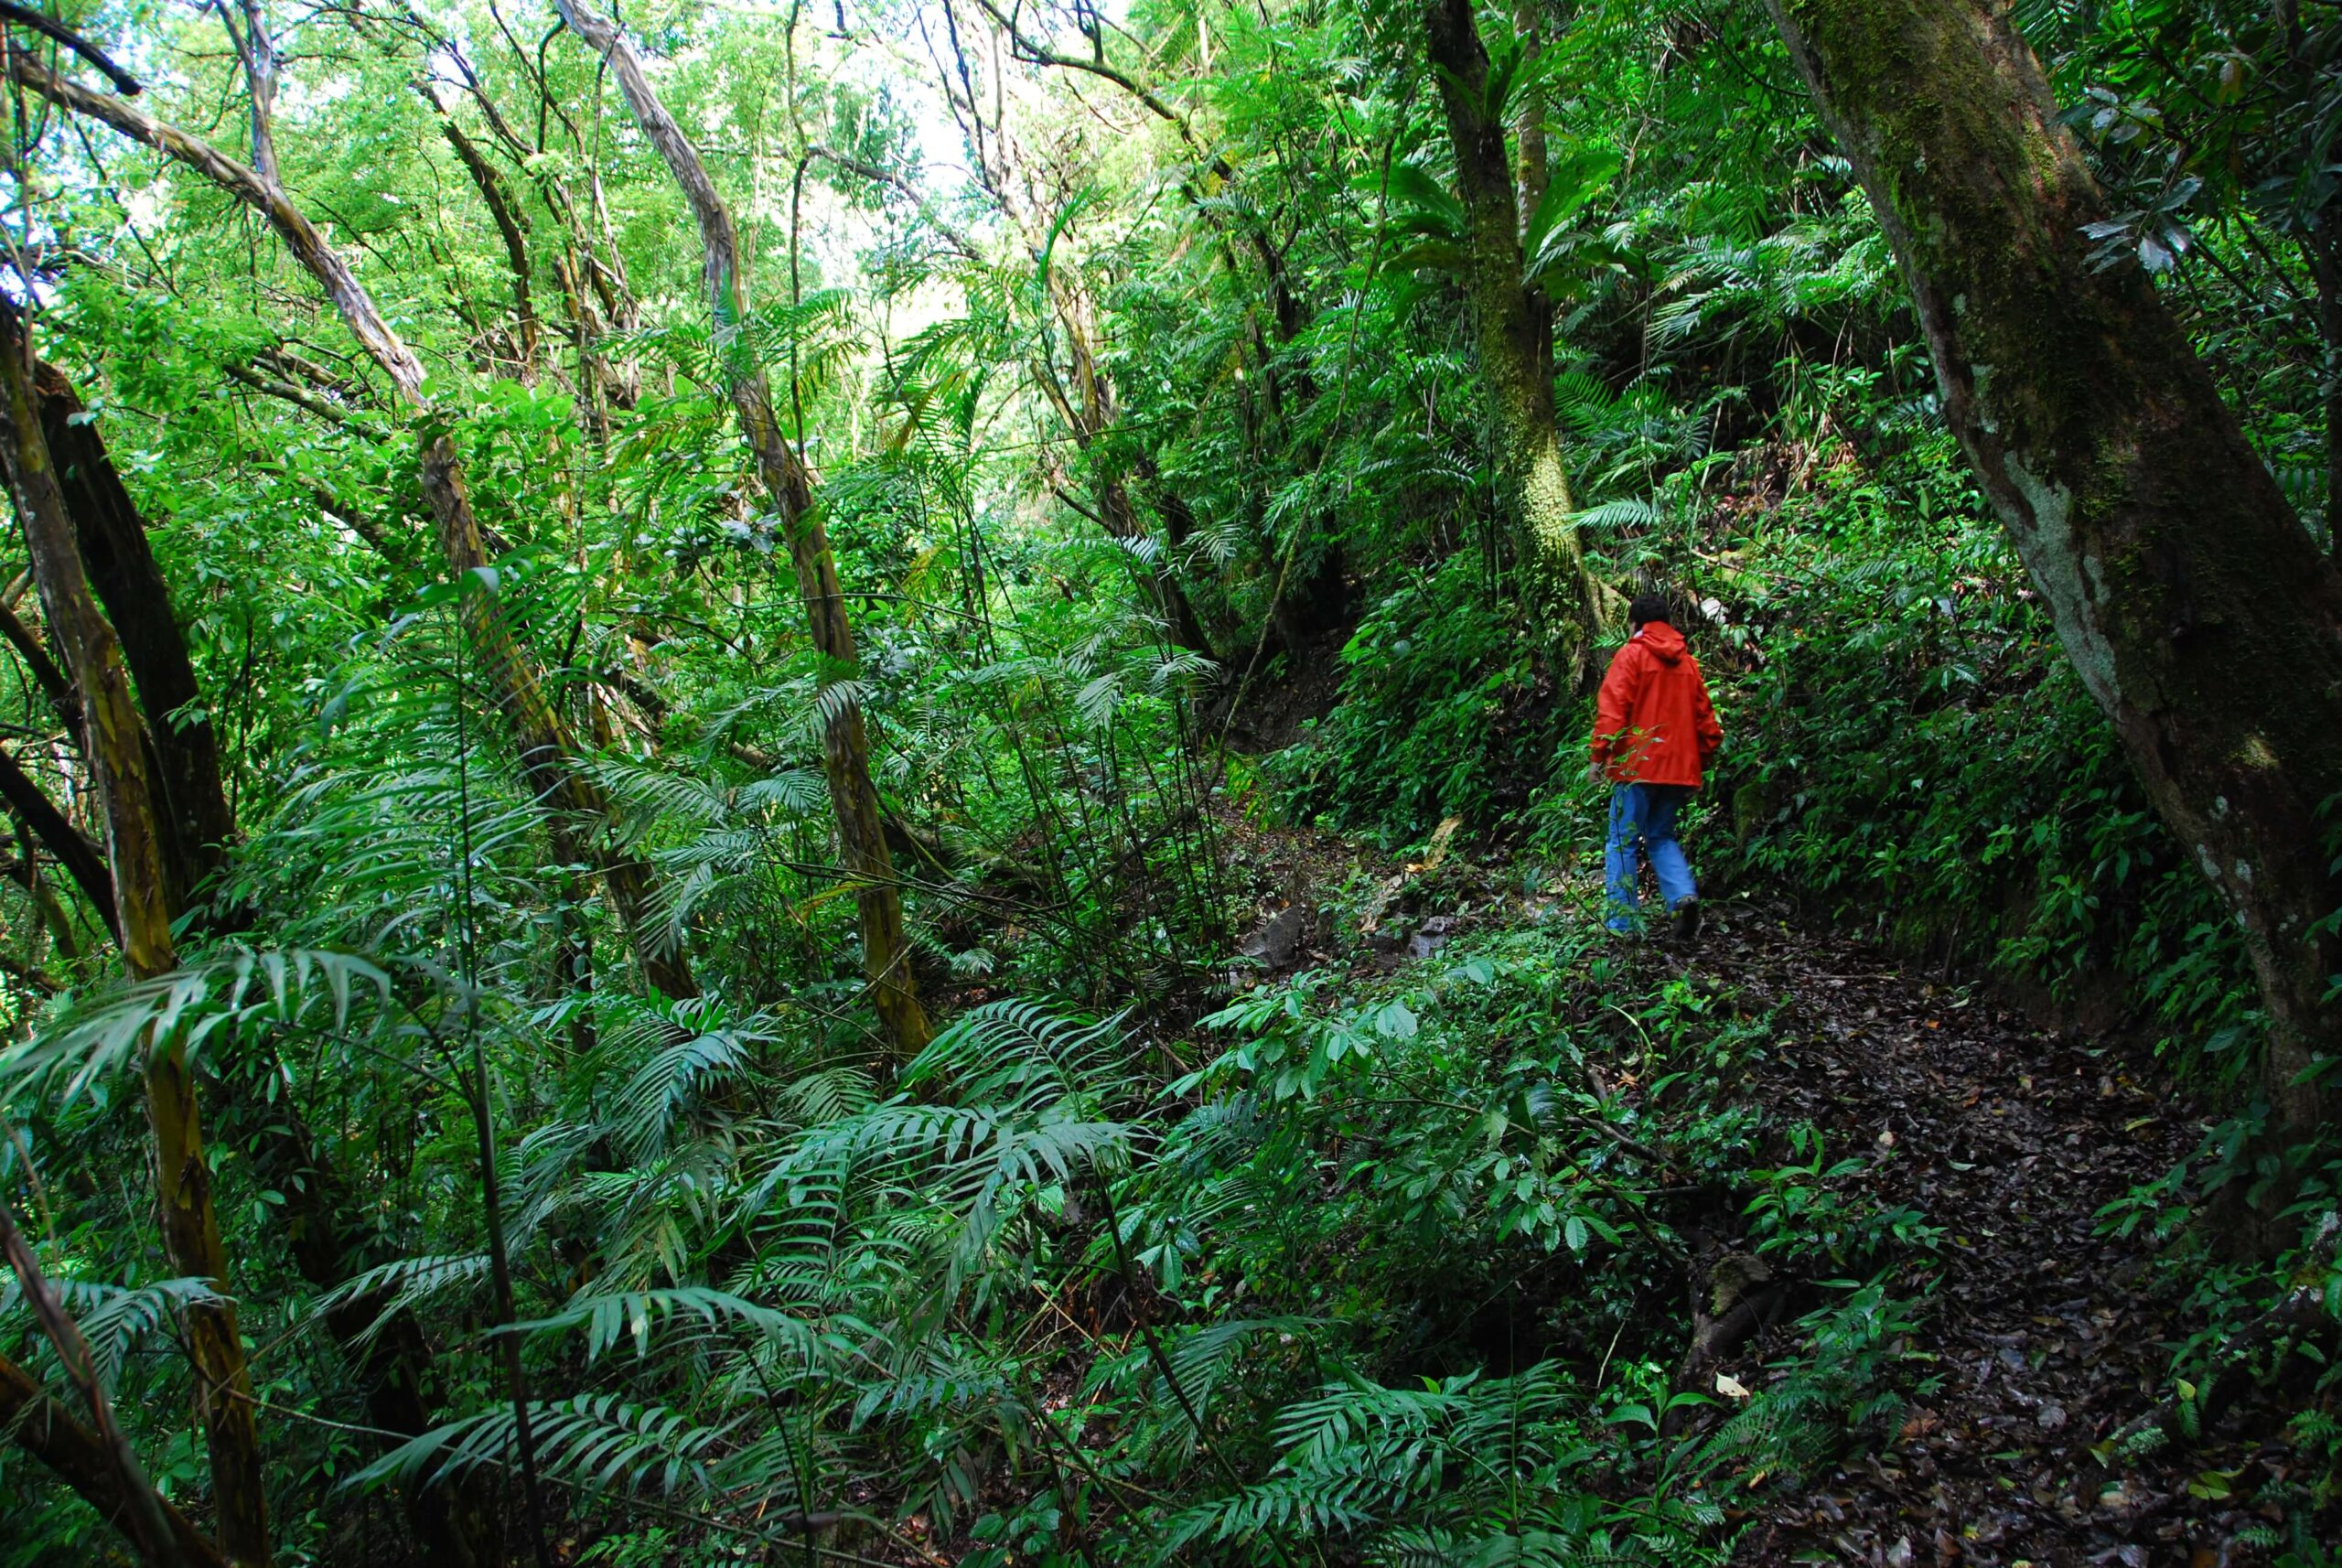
<point x="1130" y="356"/>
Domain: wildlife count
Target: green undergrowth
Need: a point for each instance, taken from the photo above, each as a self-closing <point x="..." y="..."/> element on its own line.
<point x="1925" y="765"/>
<point x="1911" y="758"/>
<point x="1445" y="712"/>
<point x="1908" y="754"/>
<point x="1485" y="1249"/>
<point x="1384" y="1271"/>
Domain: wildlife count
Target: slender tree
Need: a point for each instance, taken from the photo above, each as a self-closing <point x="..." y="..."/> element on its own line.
<point x="143" y="1515"/>
<point x="329" y="1237"/>
<point x="2196" y="609"/>
<point x="845" y="739"/>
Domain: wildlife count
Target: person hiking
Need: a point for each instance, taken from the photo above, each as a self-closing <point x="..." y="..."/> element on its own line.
<point x="1654" y="731"/>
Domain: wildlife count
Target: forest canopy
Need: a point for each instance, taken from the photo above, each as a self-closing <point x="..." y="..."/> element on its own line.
<point x="810" y="782"/>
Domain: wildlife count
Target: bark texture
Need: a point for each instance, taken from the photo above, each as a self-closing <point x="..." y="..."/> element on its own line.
<point x="183" y="751"/>
<point x="2198" y="612"/>
<point x="2323" y="246"/>
<point x="391" y="1364"/>
<point x="113" y="744"/>
<point x="845" y="742"/>
<point x="1513" y="335"/>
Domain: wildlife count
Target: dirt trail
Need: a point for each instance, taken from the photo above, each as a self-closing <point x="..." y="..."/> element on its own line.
<point x="2047" y="1338"/>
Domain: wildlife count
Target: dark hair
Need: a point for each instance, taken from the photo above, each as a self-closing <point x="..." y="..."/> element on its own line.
<point x="1648" y="608"/>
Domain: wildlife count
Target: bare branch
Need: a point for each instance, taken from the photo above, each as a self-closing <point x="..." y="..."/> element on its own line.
<point x="123" y="82"/>
<point x="74" y="851"/>
<point x="954" y="236"/>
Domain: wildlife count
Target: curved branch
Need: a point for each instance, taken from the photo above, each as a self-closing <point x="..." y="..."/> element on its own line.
<point x="309" y="246"/>
<point x="43" y="1427"/>
<point x="511" y="222"/>
<point x="46" y="674"/>
<point x="49" y="28"/>
<point x="956" y="238"/>
<point x="1034" y="53"/>
<point x="845" y="746"/>
<point x="74" y="851"/>
<point x="144" y="1516"/>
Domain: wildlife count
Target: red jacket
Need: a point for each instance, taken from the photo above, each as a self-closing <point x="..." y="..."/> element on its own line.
<point x="1653" y="723"/>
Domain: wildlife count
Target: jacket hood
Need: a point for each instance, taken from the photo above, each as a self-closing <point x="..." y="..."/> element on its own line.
<point x="1662" y="639"/>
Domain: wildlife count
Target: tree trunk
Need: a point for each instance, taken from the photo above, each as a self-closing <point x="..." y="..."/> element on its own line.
<point x="46" y="1430"/>
<point x="1533" y="171"/>
<point x="113" y="744"/>
<point x="512" y="225"/>
<point x="1119" y="517"/>
<point x="1514" y="374"/>
<point x="392" y="1362"/>
<point x="845" y="744"/>
<point x="548" y="753"/>
<point x="72" y="850"/>
<point x="191" y="802"/>
<point x="45" y="672"/>
<point x="1532" y="161"/>
<point x="2197" y="610"/>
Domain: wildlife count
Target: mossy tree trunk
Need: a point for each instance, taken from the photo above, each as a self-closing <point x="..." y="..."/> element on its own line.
<point x="49" y="1432"/>
<point x="2199" y="613"/>
<point x="1516" y="370"/>
<point x="114" y="743"/>
<point x="182" y="747"/>
<point x="2322" y="244"/>
<point x="326" y="1231"/>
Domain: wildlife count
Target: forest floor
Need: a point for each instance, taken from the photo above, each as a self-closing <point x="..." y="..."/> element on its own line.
<point x="2045" y="1333"/>
<point x="2039" y="1333"/>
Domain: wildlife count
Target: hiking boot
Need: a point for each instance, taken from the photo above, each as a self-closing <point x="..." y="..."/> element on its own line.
<point x="1687" y="922"/>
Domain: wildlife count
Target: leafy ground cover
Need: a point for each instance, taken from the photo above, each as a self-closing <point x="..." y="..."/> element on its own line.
<point x="1944" y="1274"/>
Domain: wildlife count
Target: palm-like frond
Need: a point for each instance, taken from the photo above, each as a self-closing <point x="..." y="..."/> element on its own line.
<point x="598" y="1441"/>
<point x="190" y="1006"/>
<point x="645" y="1316"/>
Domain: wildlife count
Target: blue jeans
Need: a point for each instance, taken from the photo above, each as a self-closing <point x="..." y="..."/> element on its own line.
<point x="1642" y="818"/>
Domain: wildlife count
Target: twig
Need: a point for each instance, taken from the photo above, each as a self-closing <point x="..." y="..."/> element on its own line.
<point x="952" y="236"/>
